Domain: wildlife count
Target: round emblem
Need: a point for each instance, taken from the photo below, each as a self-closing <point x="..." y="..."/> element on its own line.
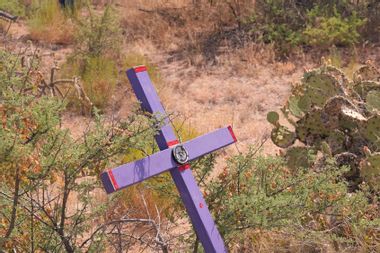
<point x="180" y="154"/>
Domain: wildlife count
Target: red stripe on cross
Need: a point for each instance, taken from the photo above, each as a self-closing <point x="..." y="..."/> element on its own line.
<point x="113" y="180"/>
<point x="232" y="133"/>
<point x="184" y="167"/>
<point x="172" y="143"/>
<point x="139" y="69"/>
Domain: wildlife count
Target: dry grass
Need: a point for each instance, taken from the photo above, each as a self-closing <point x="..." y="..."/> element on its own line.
<point x="194" y="32"/>
<point x="269" y="242"/>
<point x="51" y="25"/>
<point x="55" y="34"/>
<point x="99" y="77"/>
<point x="3" y="26"/>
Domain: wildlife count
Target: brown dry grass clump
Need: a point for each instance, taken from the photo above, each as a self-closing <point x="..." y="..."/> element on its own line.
<point x="3" y="26"/>
<point x="193" y="29"/>
<point x="50" y="24"/>
<point x="55" y="34"/>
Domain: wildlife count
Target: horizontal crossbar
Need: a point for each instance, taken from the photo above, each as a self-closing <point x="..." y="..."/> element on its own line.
<point x="134" y="172"/>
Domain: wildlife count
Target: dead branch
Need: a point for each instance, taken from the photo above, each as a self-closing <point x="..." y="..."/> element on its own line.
<point x="153" y="225"/>
<point x="9" y="18"/>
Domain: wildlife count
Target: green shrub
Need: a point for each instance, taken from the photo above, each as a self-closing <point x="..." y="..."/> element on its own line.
<point x="39" y="156"/>
<point x="96" y="56"/>
<point x="334" y="30"/>
<point x="263" y="194"/>
<point x="99" y="77"/>
<point x="278" y="23"/>
<point x="15" y="7"/>
<point x="289" y="24"/>
<point x="283" y="37"/>
<point x="370" y="10"/>
<point x="257" y="194"/>
<point x="99" y="34"/>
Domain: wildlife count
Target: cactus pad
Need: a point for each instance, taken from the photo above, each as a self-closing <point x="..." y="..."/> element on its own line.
<point x="333" y="110"/>
<point x="371" y="130"/>
<point x="336" y="73"/>
<point x="362" y="88"/>
<point x="320" y="87"/>
<point x="273" y="118"/>
<point x="370" y="171"/>
<point x="282" y="136"/>
<point x="300" y="157"/>
<point x="336" y="141"/>
<point x="366" y="73"/>
<point x="310" y="128"/>
<point x="351" y="119"/>
<point x="294" y="107"/>
<point x="373" y="101"/>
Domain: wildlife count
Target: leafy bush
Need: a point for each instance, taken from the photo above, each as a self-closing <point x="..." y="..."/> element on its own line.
<point x="335" y="30"/>
<point x="49" y="179"/>
<point x="15" y="7"/>
<point x="317" y="23"/>
<point x="99" y="34"/>
<point x="370" y="9"/>
<point x="261" y="194"/>
<point x="256" y="195"/>
<point x="96" y="56"/>
<point x="99" y="76"/>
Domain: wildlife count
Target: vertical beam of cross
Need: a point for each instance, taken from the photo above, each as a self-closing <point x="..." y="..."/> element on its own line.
<point x="192" y="198"/>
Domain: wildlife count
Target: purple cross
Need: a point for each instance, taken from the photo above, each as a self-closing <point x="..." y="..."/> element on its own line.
<point x="173" y="157"/>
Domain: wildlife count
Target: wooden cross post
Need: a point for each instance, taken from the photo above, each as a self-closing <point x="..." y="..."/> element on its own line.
<point x="173" y="157"/>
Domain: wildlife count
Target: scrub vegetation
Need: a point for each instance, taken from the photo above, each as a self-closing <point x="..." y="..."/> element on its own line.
<point x="292" y="76"/>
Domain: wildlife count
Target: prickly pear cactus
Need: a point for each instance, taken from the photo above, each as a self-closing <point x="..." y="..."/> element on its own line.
<point x="280" y="135"/>
<point x="370" y="130"/>
<point x="370" y="170"/>
<point x="367" y="72"/>
<point x="373" y="101"/>
<point x="336" y="118"/>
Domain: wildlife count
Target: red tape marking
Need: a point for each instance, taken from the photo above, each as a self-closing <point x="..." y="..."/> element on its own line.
<point x="139" y="69"/>
<point x="184" y="167"/>
<point x="232" y="133"/>
<point x="172" y="143"/>
<point x="113" y="180"/>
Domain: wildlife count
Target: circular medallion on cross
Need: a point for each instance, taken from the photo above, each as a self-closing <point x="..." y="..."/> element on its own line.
<point x="180" y="154"/>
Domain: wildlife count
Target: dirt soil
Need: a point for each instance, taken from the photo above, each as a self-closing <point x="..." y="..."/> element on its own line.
<point x="239" y="91"/>
<point x="235" y="92"/>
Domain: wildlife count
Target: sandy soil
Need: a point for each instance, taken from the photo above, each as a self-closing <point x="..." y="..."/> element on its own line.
<point x="221" y="96"/>
<point x="233" y="93"/>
